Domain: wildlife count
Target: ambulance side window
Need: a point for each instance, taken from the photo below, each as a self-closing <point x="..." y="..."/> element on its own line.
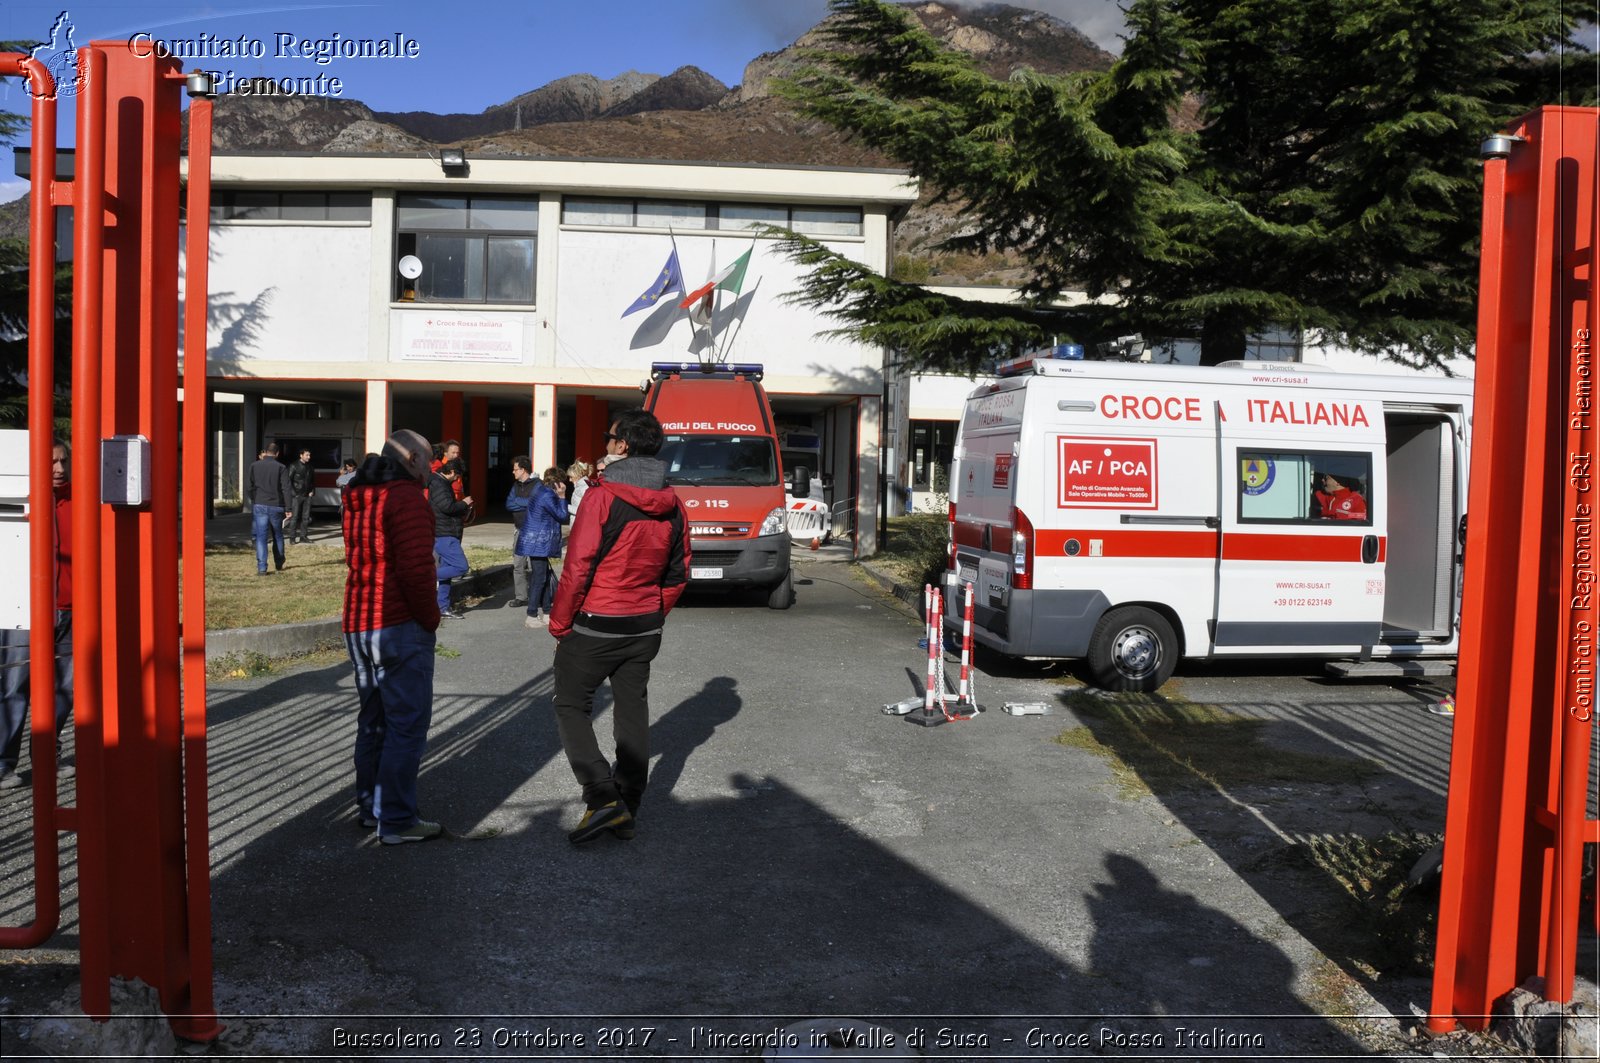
<point x="1304" y="487"/>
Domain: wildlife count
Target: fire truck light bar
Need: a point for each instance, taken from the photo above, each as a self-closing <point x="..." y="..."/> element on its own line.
<point x="753" y="370"/>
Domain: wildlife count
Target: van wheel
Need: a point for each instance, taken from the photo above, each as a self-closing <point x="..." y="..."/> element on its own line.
<point x="782" y="596"/>
<point x="1132" y="649"/>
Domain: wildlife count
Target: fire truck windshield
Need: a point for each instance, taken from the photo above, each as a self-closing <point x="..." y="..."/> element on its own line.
<point x="743" y="460"/>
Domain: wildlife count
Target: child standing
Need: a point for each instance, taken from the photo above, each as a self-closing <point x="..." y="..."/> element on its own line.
<point x="539" y="540"/>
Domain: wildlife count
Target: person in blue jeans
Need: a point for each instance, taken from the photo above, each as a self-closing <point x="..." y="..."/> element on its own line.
<point x="389" y="622"/>
<point x="449" y="521"/>
<point x="267" y="493"/>
<point x="539" y="539"/>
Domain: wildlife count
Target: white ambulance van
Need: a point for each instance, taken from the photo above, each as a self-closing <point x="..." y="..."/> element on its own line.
<point x="1130" y="515"/>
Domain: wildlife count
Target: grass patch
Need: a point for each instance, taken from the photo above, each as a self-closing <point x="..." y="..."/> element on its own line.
<point x="253" y="665"/>
<point x="1398" y="920"/>
<point x="310" y="587"/>
<point x="1159" y="744"/>
<point x="916" y="550"/>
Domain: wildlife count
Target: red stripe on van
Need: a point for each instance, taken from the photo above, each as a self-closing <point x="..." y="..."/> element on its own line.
<point x="1246" y="546"/>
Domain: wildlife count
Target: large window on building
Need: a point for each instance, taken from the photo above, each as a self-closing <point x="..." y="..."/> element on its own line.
<point x="250" y="204"/>
<point x="723" y="217"/>
<point x="473" y="249"/>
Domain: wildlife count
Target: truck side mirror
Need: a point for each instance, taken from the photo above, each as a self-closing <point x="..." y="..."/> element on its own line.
<point x="802" y="482"/>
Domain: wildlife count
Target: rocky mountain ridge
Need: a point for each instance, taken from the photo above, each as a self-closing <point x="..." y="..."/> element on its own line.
<point x="687" y="115"/>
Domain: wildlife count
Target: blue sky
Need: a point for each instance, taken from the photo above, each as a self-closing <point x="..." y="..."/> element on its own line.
<point x="469" y="54"/>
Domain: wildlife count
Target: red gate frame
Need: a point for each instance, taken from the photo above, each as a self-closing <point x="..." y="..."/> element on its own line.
<point x="144" y="900"/>
<point x="1516" y="816"/>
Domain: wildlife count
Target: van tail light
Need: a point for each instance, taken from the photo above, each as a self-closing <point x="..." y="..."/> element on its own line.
<point x="950" y="539"/>
<point x="1021" y="551"/>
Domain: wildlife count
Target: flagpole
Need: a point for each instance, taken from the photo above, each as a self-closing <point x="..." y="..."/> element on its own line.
<point x="727" y="347"/>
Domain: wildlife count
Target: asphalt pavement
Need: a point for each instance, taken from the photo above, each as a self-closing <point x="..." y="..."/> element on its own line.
<point x="800" y="855"/>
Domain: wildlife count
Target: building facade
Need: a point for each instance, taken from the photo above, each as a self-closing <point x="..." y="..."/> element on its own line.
<point x="483" y="300"/>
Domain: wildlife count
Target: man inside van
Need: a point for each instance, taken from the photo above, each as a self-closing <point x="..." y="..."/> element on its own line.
<point x="627" y="564"/>
<point x="1336" y="500"/>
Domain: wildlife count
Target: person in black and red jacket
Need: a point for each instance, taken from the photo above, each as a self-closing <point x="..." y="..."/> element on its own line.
<point x="390" y="616"/>
<point x="627" y="564"/>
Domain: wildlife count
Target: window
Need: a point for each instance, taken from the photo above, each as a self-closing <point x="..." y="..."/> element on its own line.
<point x="725" y="217"/>
<point x="731" y="460"/>
<point x="933" y="445"/>
<point x="1277" y="487"/>
<point x="246" y="204"/>
<point x="474" y="249"/>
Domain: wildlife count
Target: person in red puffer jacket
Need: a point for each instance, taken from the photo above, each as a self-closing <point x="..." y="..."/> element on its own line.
<point x="390" y="616"/>
<point x="627" y="564"/>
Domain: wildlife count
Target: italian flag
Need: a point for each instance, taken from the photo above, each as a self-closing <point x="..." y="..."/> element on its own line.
<point x="729" y="280"/>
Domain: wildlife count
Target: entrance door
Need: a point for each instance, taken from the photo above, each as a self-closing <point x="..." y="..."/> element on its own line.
<point x="1303" y="510"/>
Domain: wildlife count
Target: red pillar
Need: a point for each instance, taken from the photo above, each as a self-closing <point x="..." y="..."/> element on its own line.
<point x="477" y="451"/>
<point x="1516" y="818"/>
<point x="589" y="435"/>
<point x="449" y="416"/>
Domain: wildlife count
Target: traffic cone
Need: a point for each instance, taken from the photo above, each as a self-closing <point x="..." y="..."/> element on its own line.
<point x="815" y="543"/>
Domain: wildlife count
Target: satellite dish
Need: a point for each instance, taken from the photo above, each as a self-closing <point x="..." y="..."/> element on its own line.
<point x="411" y="267"/>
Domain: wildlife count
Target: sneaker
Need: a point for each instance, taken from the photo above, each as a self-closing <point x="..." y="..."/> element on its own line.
<point x="536" y="621"/>
<point x="280" y="566"/>
<point x="263" y="572"/>
<point x="518" y="603"/>
<point x="451" y="614"/>
<point x="596" y="821"/>
<point x="9" y="779"/>
<point x="627" y="831"/>
<point x="367" y="819"/>
<point x="420" y="831"/>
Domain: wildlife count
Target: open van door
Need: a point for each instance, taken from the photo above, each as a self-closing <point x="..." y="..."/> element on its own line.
<point x="1302" y="499"/>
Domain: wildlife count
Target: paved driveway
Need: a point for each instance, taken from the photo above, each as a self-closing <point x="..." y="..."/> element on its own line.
<point x="800" y="854"/>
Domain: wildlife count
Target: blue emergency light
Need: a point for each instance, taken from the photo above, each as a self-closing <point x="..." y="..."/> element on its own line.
<point x="752" y="370"/>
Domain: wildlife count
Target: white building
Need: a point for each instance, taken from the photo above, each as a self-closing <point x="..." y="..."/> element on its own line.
<point x="512" y="339"/>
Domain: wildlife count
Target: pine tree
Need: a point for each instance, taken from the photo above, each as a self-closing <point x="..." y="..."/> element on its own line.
<point x="1244" y="165"/>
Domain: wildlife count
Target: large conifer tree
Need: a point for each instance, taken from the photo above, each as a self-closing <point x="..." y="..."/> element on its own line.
<point x="1245" y="164"/>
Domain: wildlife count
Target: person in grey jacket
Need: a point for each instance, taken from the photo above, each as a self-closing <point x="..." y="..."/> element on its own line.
<point x="267" y="493"/>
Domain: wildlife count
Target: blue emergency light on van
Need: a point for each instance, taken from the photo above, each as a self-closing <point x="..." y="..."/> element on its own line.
<point x="1067" y="350"/>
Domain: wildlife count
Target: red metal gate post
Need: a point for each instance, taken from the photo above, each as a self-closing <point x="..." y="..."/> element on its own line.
<point x="41" y="503"/>
<point x="142" y="915"/>
<point x="1516" y="818"/>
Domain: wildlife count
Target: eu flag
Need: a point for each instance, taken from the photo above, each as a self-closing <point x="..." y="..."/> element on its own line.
<point x="670" y="282"/>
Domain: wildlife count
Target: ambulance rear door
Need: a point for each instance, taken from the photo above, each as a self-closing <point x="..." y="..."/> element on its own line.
<point x="1290" y="579"/>
<point x="983" y="493"/>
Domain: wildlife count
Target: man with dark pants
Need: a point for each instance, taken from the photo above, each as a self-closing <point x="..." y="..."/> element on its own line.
<point x="390" y="617"/>
<point x="302" y="485"/>
<point x="15" y="666"/>
<point x="267" y="493"/>
<point x="449" y="521"/>
<point x="627" y="564"/>
<point x="524" y="483"/>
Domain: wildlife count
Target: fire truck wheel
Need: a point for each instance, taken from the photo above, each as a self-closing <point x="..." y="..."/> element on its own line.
<point x="1133" y="648"/>
<point x="782" y="596"/>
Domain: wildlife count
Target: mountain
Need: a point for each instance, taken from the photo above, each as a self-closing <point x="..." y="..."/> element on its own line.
<point x="687" y="115"/>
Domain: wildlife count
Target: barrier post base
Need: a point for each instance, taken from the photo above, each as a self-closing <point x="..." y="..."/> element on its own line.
<point x="923" y="717"/>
